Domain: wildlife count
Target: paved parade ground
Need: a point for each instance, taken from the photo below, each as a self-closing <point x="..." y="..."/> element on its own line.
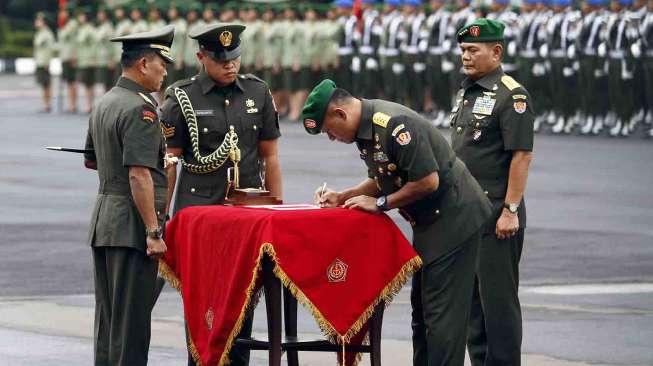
<point x="587" y="266"/>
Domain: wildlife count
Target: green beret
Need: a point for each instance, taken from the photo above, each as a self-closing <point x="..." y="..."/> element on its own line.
<point x="481" y="30"/>
<point x="316" y="106"/>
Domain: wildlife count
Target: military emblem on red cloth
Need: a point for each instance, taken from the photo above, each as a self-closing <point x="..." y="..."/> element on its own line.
<point x="520" y="106"/>
<point x="403" y="138"/>
<point x="208" y="319"/>
<point x="310" y="123"/>
<point x="149" y="116"/>
<point x="475" y="31"/>
<point x="337" y="271"/>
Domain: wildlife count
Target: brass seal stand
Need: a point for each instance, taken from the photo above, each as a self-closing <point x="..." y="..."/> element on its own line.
<point x="237" y="196"/>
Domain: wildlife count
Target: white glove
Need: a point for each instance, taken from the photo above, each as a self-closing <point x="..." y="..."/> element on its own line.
<point x="602" y="50"/>
<point x="538" y="69"/>
<point x="419" y="66"/>
<point x="512" y="48"/>
<point x="544" y="50"/>
<point x="567" y="71"/>
<point x="423" y="45"/>
<point x="447" y="66"/>
<point x="571" y="51"/>
<point x="371" y="64"/>
<point x="446" y="45"/>
<point x="356" y="65"/>
<point x="398" y="68"/>
<point x="636" y="50"/>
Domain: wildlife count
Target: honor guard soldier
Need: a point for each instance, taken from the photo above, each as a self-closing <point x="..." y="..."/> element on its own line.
<point x="209" y="115"/>
<point x="463" y="15"/>
<point x="413" y="53"/>
<point x="438" y="81"/>
<point x="592" y="77"/>
<point x="347" y="23"/>
<point x="126" y="227"/>
<point x="394" y="84"/>
<point x="492" y="134"/>
<point x="44" y="48"/>
<point x="412" y="167"/>
<point x="66" y="42"/>
<point x="368" y="42"/>
<point x="646" y="31"/>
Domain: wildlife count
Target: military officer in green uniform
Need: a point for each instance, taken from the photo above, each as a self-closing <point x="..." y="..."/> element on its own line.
<point x="412" y="167"/>
<point x="44" y="47"/>
<point x="125" y="235"/>
<point x="227" y="109"/>
<point x="493" y="134"/>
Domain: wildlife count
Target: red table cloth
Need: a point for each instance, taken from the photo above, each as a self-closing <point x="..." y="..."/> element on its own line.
<point x="338" y="263"/>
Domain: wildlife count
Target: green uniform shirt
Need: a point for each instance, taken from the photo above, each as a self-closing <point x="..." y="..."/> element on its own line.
<point x="86" y="45"/>
<point x="492" y="117"/>
<point x="67" y="38"/>
<point x="399" y="146"/>
<point x="273" y="43"/>
<point x="191" y="46"/>
<point x="328" y="41"/>
<point x="105" y="48"/>
<point x="311" y="50"/>
<point x="293" y="43"/>
<point x="44" y="47"/>
<point x="246" y="105"/>
<point x="156" y="24"/>
<point x="249" y="43"/>
<point x="124" y="131"/>
<point x="179" y="42"/>
<point x="140" y="26"/>
<point x="122" y="28"/>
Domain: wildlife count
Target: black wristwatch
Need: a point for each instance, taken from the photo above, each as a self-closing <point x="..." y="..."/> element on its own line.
<point x="154" y="234"/>
<point x="512" y="207"/>
<point x="382" y="203"/>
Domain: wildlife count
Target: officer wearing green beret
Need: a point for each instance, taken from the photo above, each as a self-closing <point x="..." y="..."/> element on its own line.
<point x="221" y="110"/>
<point x="44" y="48"/>
<point x="125" y="235"/>
<point x="493" y="134"/>
<point x="412" y="167"/>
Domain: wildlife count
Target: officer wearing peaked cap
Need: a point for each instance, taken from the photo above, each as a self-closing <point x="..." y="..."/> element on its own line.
<point x="129" y="147"/>
<point x="412" y="167"/>
<point x="493" y="135"/>
<point x="227" y="108"/>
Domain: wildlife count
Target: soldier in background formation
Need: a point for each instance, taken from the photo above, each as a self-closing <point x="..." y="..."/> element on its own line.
<point x="589" y="69"/>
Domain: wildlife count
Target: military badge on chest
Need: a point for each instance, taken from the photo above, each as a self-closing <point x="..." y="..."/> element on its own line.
<point x="251" y="106"/>
<point x="484" y="105"/>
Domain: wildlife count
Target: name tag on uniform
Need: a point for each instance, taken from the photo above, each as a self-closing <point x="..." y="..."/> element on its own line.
<point x="380" y="157"/>
<point x="484" y="105"/>
<point x="204" y="112"/>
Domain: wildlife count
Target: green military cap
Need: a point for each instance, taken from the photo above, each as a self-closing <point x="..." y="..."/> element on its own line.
<point x="316" y="106"/>
<point x="158" y="40"/>
<point x="481" y="30"/>
<point x="220" y="41"/>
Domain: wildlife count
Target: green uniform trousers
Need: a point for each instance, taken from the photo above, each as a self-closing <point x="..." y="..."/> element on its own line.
<point x="538" y="86"/>
<point x="441" y="297"/>
<point x="369" y="79"/>
<point x="415" y="71"/>
<point x="394" y="83"/>
<point x="438" y="83"/>
<point x="495" y="324"/>
<point x="563" y="89"/>
<point x="620" y="91"/>
<point x="648" y="76"/>
<point x="343" y="75"/>
<point x="124" y="297"/>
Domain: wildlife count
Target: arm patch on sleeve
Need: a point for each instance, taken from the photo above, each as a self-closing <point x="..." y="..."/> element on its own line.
<point x="149" y="116"/>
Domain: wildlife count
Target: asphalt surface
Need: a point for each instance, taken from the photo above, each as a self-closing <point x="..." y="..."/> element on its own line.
<point x="590" y="222"/>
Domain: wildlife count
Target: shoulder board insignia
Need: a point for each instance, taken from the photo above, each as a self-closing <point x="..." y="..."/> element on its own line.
<point x="251" y="77"/>
<point x="509" y="82"/>
<point x="381" y="119"/>
<point x="397" y="129"/>
<point x="147" y="99"/>
<point x="519" y="96"/>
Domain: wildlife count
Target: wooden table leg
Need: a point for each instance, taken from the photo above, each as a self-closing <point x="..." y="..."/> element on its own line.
<point x="272" y="289"/>
<point x="290" y="324"/>
<point x="376" y="323"/>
